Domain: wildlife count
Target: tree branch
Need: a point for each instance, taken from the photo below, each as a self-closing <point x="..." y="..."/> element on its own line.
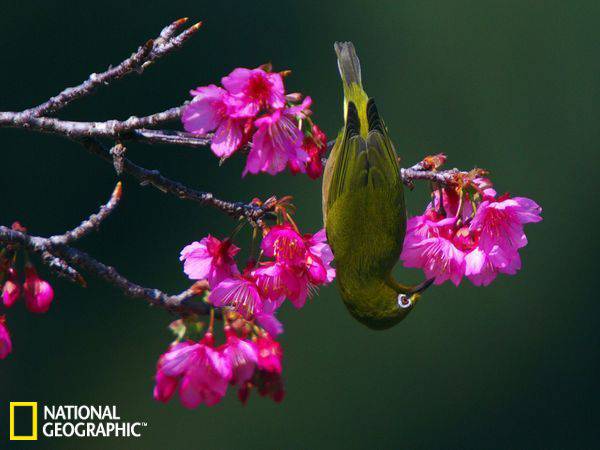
<point x="179" y="303"/>
<point x="133" y="128"/>
<point x="137" y="62"/>
<point x="427" y="169"/>
<point x="444" y="177"/>
<point x="72" y="129"/>
<point x="250" y="211"/>
<point x="61" y="268"/>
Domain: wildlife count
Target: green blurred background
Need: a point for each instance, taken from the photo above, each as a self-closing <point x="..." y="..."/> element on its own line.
<point x="513" y="86"/>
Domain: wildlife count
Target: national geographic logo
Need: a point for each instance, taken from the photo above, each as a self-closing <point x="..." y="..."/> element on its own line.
<point x="69" y="421"/>
<point x="30" y="410"/>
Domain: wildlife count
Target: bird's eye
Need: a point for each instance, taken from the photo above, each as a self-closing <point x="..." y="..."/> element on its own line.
<point x="403" y="301"/>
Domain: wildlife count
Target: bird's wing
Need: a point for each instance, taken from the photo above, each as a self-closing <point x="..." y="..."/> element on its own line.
<point x="342" y="160"/>
<point x="356" y="162"/>
<point x="384" y="168"/>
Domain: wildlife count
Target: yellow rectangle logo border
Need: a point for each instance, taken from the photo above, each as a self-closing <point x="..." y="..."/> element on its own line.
<point x="34" y="419"/>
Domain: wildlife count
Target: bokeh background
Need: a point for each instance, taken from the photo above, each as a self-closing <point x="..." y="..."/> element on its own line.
<point x="513" y="86"/>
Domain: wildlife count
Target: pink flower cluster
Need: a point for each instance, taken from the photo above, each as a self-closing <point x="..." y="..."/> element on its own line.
<point x="477" y="236"/>
<point x="298" y="263"/>
<point x="201" y="372"/>
<point x="252" y="107"/>
<point x="291" y="266"/>
<point x="38" y="294"/>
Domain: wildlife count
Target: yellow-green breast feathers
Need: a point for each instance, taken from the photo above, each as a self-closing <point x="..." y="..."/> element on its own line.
<point x="363" y="205"/>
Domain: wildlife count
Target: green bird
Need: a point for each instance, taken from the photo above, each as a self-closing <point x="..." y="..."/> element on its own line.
<point x="363" y="207"/>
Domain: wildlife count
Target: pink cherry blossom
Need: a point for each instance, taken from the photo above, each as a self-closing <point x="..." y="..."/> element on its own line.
<point x="11" y="289"/>
<point x="242" y="355"/>
<point x="201" y="371"/>
<point x="309" y="252"/>
<point x="277" y="141"/>
<point x="269" y="354"/>
<point x="464" y="239"/>
<point x="165" y="386"/>
<point x="252" y="107"/>
<point x="206" y="379"/>
<point x="315" y="147"/>
<point x="484" y="185"/>
<point x="255" y="89"/>
<point x="428" y="246"/>
<point x="430" y="224"/>
<point x="210" y="259"/>
<point x="284" y="244"/>
<point x="451" y="240"/>
<point x="267" y="320"/>
<point x="213" y="108"/>
<point x="483" y="267"/>
<point x="37" y="292"/>
<point x="284" y="277"/>
<point x="176" y="360"/>
<point x="299" y="292"/>
<point x="275" y="281"/>
<point x="5" y="342"/>
<point x="498" y="227"/>
<point x="501" y="222"/>
<point x="450" y="205"/>
<point x="321" y="251"/>
<point x="301" y="262"/>
<point x="438" y="258"/>
<point x="267" y="377"/>
<point x="239" y="292"/>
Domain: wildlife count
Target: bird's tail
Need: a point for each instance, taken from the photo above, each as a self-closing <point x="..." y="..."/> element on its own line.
<point x="348" y="63"/>
<point x="349" y="67"/>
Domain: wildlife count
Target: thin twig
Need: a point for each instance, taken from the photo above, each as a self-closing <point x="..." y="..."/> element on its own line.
<point x="171" y="137"/>
<point x="62" y="269"/>
<point x="250" y="211"/>
<point x="417" y="172"/>
<point x="91" y="223"/>
<point x="136" y="63"/>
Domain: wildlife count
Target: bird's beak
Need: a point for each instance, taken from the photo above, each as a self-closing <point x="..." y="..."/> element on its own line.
<point x="421" y="287"/>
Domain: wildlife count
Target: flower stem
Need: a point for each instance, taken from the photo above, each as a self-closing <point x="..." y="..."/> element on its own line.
<point x="211" y="323"/>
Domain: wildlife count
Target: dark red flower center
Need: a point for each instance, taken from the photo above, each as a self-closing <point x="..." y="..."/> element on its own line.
<point x="259" y="88"/>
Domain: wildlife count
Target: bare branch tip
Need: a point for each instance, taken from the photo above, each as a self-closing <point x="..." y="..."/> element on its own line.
<point x="82" y="282"/>
<point x="118" y="191"/>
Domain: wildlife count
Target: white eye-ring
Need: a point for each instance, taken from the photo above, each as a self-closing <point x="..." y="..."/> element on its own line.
<point x="403" y="301"/>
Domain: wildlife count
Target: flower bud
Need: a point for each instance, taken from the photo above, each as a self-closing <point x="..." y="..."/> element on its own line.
<point x="38" y="293"/>
<point x="293" y="97"/>
<point x="5" y="342"/>
<point x="11" y="289"/>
